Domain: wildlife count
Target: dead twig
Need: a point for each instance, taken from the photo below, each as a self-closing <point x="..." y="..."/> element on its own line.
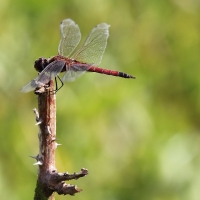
<point x="49" y="180"/>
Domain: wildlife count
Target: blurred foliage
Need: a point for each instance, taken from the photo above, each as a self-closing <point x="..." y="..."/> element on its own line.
<point x="138" y="138"/>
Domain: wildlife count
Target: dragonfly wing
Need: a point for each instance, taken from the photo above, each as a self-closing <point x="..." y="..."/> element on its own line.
<point x="30" y="86"/>
<point x="49" y="73"/>
<point x="94" y="46"/>
<point x="71" y="75"/>
<point x="70" y="37"/>
<point x="74" y="71"/>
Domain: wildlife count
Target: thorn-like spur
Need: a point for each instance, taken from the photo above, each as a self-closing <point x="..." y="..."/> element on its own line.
<point x="38" y="163"/>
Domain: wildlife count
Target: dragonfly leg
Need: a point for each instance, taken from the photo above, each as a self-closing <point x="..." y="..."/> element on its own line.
<point x="57" y="85"/>
<point x="56" y="88"/>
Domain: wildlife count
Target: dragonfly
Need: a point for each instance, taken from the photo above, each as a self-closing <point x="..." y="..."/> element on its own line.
<point x="86" y="59"/>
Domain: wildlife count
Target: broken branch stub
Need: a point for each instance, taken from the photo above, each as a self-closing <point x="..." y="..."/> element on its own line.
<point x="49" y="180"/>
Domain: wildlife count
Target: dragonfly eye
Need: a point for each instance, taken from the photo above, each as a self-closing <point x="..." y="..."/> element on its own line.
<point x="40" y="64"/>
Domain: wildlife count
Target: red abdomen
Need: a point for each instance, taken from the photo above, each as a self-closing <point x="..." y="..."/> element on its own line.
<point x="109" y="72"/>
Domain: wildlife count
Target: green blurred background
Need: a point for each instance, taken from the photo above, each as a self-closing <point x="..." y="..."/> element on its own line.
<point x="138" y="138"/>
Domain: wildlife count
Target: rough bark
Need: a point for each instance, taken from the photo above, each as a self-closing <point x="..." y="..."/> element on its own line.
<point x="49" y="180"/>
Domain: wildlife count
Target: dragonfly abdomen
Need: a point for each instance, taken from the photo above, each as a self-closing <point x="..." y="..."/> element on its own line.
<point x="109" y="72"/>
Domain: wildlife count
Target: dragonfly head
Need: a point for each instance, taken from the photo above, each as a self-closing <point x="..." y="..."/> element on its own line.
<point x="40" y="64"/>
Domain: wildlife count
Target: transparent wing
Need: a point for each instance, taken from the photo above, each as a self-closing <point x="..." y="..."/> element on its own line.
<point x="49" y="73"/>
<point x="74" y="71"/>
<point x="71" y="75"/>
<point x="31" y="85"/>
<point x="94" y="46"/>
<point x="70" y="37"/>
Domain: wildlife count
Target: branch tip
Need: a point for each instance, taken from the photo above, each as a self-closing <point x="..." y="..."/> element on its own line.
<point x="68" y="189"/>
<point x="84" y="171"/>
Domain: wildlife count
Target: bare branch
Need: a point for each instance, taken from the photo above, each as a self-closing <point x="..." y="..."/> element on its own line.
<point x="58" y="177"/>
<point x="49" y="180"/>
